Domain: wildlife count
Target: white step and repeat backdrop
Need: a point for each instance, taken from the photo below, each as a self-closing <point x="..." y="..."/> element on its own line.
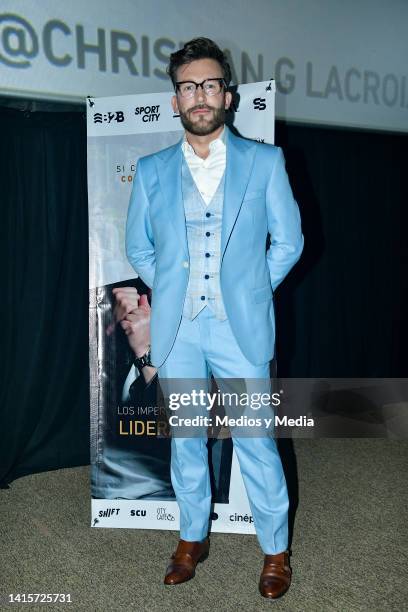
<point x="127" y="487"/>
<point x="339" y="63"/>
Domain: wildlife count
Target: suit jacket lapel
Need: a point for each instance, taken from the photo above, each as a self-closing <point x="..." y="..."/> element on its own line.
<point x="240" y="159"/>
<point x="169" y="171"/>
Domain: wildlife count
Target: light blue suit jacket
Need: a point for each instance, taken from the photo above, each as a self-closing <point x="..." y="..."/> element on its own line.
<point x="257" y="200"/>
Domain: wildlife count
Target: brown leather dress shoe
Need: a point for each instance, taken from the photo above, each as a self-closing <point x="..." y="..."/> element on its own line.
<point x="183" y="562"/>
<point x="276" y="575"/>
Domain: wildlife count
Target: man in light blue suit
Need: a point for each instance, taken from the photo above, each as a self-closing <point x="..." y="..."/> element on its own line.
<point x="199" y="216"/>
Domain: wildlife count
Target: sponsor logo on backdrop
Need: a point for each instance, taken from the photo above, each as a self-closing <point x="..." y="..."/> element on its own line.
<point x="148" y="113"/>
<point x="108" y="117"/>
<point x="109" y="512"/>
<point x="163" y="515"/>
<point x="213" y="516"/>
<point x="137" y="512"/>
<point x="259" y="104"/>
<point x="241" y="518"/>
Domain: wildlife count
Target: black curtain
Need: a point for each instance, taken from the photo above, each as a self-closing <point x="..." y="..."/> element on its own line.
<point x="44" y="250"/>
<point x="340" y="312"/>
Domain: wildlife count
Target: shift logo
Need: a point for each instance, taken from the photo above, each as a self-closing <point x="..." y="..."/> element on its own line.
<point x="108" y="117"/>
<point x="148" y="113"/>
<point x="138" y="512"/>
<point x="109" y="512"/>
<point x="163" y="515"/>
<point x="259" y="104"/>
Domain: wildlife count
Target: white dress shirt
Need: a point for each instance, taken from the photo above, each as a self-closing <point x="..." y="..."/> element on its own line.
<point x="207" y="172"/>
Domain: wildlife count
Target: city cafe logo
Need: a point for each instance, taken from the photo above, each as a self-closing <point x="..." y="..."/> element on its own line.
<point x="163" y="515"/>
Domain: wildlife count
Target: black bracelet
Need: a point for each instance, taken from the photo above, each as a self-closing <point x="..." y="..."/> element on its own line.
<point x="144" y="360"/>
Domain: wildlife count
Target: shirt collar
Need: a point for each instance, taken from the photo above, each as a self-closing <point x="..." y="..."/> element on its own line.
<point x="217" y="144"/>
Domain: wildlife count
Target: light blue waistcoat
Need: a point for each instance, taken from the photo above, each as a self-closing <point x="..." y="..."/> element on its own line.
<point x="205" y="251"/>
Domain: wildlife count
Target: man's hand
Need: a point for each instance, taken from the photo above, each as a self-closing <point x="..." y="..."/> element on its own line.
<point x="127" y="300"/>
<point x="136" y="324"/>
<point x="132" y="311"/>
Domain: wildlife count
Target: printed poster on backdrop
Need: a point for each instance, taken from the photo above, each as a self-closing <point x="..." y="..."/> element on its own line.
<point x="130" y="445"/>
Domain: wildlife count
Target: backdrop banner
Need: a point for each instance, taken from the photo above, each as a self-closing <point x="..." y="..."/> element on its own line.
<point x="130" y="447"/>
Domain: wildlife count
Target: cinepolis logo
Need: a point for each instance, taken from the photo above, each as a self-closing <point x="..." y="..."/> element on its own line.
<point x="148" y="113"/>
<point x="241" y="518"/>
<point x="163" y="515"/>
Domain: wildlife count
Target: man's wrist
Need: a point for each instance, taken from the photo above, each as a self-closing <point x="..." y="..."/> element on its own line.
<point x="143" y="360"/>
<point x="142" y="351"/>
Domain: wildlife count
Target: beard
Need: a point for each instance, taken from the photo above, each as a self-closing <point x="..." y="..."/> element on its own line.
<point x="204" y="125"/>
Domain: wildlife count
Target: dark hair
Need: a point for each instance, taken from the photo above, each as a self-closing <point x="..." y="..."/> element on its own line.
<point x="195" y="49"/>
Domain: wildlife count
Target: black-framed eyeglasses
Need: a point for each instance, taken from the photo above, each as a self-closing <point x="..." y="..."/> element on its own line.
<point x="211" y="87"/>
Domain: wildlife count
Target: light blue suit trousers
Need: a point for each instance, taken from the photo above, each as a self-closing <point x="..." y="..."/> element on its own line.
<point x="203" y="346"/>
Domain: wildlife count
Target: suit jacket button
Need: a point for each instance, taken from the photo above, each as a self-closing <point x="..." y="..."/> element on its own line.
<point x="185" y="264"/>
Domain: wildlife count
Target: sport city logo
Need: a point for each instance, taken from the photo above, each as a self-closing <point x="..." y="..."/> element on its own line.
<point x="259" y="103"/>
<point x="148" y="113"/>
<point x="162" y="515"/>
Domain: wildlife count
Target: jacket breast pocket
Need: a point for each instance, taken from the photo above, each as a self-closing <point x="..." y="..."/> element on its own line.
<point x="262" y="294"/>
<point x="254" y="195"/>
